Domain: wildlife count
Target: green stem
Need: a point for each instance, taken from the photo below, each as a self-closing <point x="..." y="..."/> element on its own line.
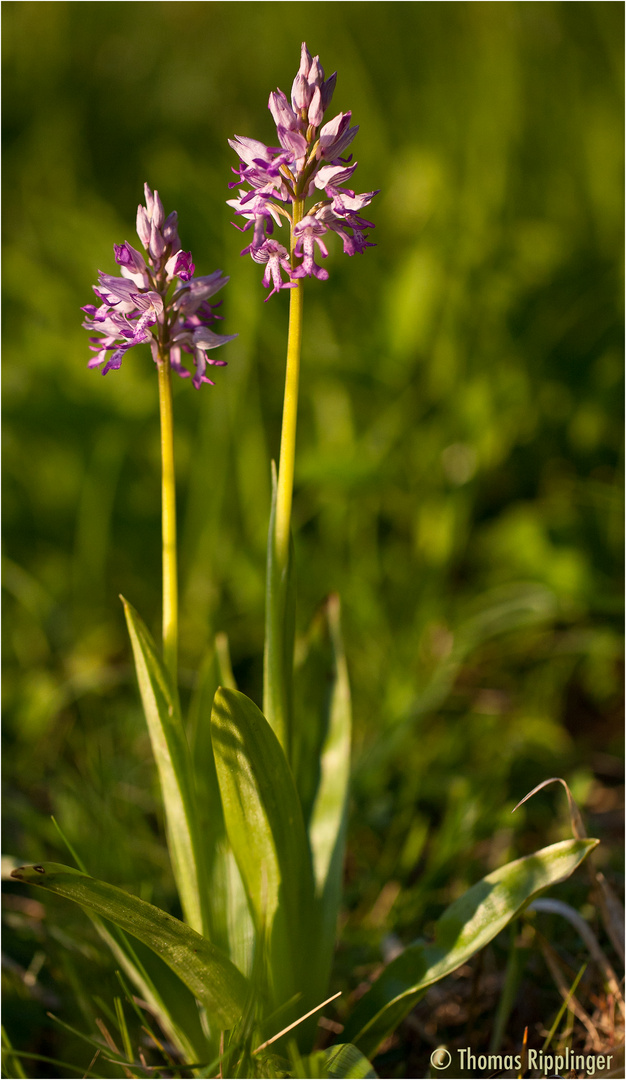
<point x="284" y="495"/>
<point x="168" y="519"/>
<point x="280" y="603"/>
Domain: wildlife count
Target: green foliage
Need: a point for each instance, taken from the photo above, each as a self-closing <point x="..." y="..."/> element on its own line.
<point x="171" y="755"/>
<point x="330" y="769"/>
<point x="342" y="1060"/>
<point x="465" y="927"/>
<point x="346" y="1061"/>
<point x="211" y="977"/>
<point x="265" y="828"/>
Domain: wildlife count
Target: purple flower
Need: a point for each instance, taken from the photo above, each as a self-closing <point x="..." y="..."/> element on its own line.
<point x="306" y="163"/>
<point x="335" y="137"/>
<point x="276" y="257"/>
<point x="308" y="233"/>
<point x="259" y="213"/>
<point x="156" y="300"/>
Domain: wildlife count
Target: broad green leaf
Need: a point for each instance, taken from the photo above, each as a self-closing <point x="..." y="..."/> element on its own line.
<point x="210" y="976"/>
<point x="346" y="1062"/>
<point x="611" y="907"/>
<point x="168" y="998"/>
<point x="328" y="820"/>
<point x="280" y="609"/>
<point x="343" y="1062"/>
<point x="327" y="825"/>
<point x="171" y="754"/>
<point x="464" y="928"/>
<point x="266" y="832"/>
<point x="208" y="803"/>
<point x="231" y="926"/>
<point x="229" y="905"/>
<point x="206" y="683"/>
<point x="222" y="653"/>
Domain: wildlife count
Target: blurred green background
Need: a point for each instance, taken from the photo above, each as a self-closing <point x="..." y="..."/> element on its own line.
<point x="459" y="468"/>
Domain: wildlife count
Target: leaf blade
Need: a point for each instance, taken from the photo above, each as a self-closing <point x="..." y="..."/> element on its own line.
<point x="328" y="823"/>
<point x="266" y="832"/>
<point x="231" y="925"/>
<point x="172" y="758"/>
<point x="329" y="809"/>
<point x="210" y="976"/>
<point x="346" y="1062"/>
<point x="466" y="926"/>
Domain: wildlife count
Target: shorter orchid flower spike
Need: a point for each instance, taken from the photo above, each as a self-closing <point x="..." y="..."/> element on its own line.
<point x="156" y="300"/>
<point x="306" y="163"/>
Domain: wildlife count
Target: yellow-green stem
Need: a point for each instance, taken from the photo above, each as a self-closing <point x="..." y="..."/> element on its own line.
<point x="168" y="519"/>
<point x="284" y="494"/>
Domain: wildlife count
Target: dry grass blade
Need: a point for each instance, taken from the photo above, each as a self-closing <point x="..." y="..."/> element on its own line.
<point x="522" y="1071"/>
<point x="558" y="907"/>
<point x="578" y="827"/>
<point x="91" y="1064"/>
<point x="300" y="1020"/>
<point x="553" y="962"/>
<point x="611" y="908"/>
<point x="110" y="1041"/>
<point x="612" y="911"/>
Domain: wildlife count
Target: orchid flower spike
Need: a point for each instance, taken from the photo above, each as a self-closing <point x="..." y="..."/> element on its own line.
<point x="307" y="164"/>
<point x="157" y="300"/>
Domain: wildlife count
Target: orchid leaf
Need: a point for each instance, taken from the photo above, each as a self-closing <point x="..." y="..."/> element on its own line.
<point x="328" y="817"/>
<point x="266" y="832"/>
<point x="465" y="927"/>
<point x="231" y="925"/>
<point x="222" y="653"/>
<point x="217" y="984"/>
<point x="343" y="1062"/>
<point x="327" y="825"/>
<point x="167" y="998"/>
<point x="173" y="761"/>
<point x="280" y="608"/>
<point x="346" y="1062"/>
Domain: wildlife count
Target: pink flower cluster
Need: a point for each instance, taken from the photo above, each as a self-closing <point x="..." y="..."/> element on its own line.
<point x="140" y="306"/>
<point x="308" y="163"/>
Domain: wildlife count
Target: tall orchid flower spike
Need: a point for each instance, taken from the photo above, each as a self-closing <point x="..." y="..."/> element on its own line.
<point x="306" y="165"/>
<point x="157" y="300"/>
<point x="304" y="180"/>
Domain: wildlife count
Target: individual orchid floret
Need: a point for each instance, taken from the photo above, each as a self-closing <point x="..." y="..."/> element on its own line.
<point x="330" y="177"/>
<point x="132" y="263"/>
<point x="276" y="257"/>
<point x="354" y="241"/>
<point x="156" y="300"/>
<point x="308" y="233"/>
<point x="259" y="213"/>
<point x="283" y="115"/>
<point x="335" y="137"/>
<point x="307" y="163"/>
<point x="180" y="265"/>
